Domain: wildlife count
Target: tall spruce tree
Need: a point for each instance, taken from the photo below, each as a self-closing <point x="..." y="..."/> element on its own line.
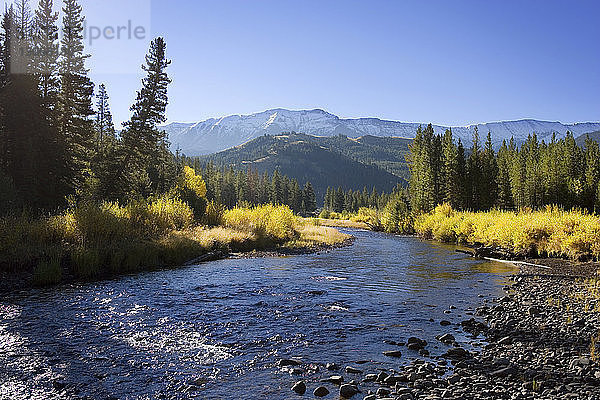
<point x="141" y="138"/>
<point x="75" y="98"/>
<point x="452" y="179"/>
<point x="45" y="53"/>
<point x="592" y="173"/>
<point x="489" y="169"/>
<point x="104" y="123"/>
<point x="309" y="201"/>
<point x="475" y="175"/>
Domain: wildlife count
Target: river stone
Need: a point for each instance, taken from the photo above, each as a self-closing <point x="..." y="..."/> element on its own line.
<point x="456" y="353"/>
<point x="504" y="372"/>
<point x="352" y="370"/>
<point x="445" y="322"/>
<point x="370" y="397"/>
<point x="287" y="362"/>
<point x="335" y="379"/>
<point x="321" y="391"/>
<point x="381" y="377"/>
<point x="370" y="378"/>
<point x="392" y="353"/>
<point x="332" y="366"/>
<point x="347" y="391"/>
<point x="299" y="387"/>
<point x="446" y="338"/>
<point x="382" y="392"/>
<point x="415" y="343"/>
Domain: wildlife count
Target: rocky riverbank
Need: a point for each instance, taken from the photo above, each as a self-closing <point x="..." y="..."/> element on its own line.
<point x="539" y="341"/>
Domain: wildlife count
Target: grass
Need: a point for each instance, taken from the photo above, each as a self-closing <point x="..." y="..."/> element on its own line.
<point x="97" y="240"/>
<point x="549" y="232"/>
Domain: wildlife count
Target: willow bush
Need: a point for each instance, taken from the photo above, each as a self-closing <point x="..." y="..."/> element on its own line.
<point x="548" y="232"/>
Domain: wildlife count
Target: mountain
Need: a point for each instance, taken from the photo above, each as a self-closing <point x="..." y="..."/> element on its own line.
<point x="323" y="161"/>
<point x="593" y="135"/>
<point x="215" y="135"/>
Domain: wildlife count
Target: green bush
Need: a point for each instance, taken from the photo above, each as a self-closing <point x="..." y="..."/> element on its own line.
<point x="48" y="272"/>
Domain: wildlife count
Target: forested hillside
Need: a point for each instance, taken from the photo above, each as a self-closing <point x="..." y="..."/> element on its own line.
<point x="337" y="161"/>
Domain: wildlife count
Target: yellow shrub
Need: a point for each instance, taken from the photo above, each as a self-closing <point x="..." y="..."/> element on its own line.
<point x="551" y="231"/>
<point x="276" y="223"/>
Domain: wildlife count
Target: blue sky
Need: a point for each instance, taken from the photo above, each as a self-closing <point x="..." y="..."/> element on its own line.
<point x="447" y="62"/>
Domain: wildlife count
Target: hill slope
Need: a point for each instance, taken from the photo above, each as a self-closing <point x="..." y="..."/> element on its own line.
<point x="593" y="135"/>
<point x="336" y="161"/>
<point x="217" y="134"/>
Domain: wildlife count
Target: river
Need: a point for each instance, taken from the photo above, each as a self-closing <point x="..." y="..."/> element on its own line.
<point x="217" y="330"/>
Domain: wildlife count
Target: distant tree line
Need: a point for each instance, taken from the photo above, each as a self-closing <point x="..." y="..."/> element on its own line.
<point x="532" y="175"/>
<point x="53" y="144"/>
<point x="340" y="200"/>
<point x="232" y="188"/>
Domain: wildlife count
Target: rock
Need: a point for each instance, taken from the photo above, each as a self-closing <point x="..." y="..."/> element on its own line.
<point x="347" y="391"/>
<point x="504" y="372"/>
<point x="392" y="353"/>
<point x="456" y="353"/>
<point x="370" y="397"/>
<point x="453" y="379"/>
<point x="352" y="370"/>
<point x="393" y="379"/>
<point x="446" y="338"/>
<point x="533" y="310"/>
<point x="370" y="378"/>
<point x="416" y="343"/>
<point x="335" y="379"/>
<point x="299" y="387"/>
<point x="382" y="392"/>
<point x="505" y="340"/>
<point x="381" y="377"/>
<point x="321" y="391"/>
<point x="287" y="362"/>
<point x="296" y="371"/>
<point x="445" y="322"/>
<point x="332" y="366"/>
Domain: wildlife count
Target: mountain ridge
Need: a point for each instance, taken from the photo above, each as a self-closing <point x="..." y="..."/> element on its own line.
<point x="217" y="134"/>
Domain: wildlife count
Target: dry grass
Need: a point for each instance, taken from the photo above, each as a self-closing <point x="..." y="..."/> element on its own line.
<point x="340" y="223"/>
<point x="312" y="236"/>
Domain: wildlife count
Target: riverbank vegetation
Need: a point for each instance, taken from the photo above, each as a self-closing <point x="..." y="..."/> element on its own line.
<point x="548" y="232"/>
<point x="81" y="200"/>
<point x="538" y="199"/>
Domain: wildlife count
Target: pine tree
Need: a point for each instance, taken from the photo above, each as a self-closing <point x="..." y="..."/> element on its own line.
<point x="489" y="184"/>
<point x="475" y="174"/>
<point x="461" y="166"/>
<point x="592" y="173"/>
<point x="451" y="185"/>
<point x="141" y="138"/>
<point x="505" y="197"/>
<point x="75" y="99"/>
<point x="104" y="124"/>
<point x="45" y="53"/>
<point x="30" y="154"/>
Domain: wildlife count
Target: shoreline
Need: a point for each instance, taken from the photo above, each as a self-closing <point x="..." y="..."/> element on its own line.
<point x="540" y="341"/>
<point x="11" y="282"/>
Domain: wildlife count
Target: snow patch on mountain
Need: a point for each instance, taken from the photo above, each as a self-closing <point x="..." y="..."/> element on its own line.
<point x="217" y="134"/>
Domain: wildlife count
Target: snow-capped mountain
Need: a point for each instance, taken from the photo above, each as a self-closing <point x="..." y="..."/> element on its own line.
<point x="213" y="135"/>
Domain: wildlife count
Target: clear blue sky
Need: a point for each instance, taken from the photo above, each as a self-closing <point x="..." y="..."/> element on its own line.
<point x="447" y="62"/>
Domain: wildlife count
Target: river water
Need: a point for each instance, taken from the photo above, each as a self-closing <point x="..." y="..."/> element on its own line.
<point x="217" y="330"/>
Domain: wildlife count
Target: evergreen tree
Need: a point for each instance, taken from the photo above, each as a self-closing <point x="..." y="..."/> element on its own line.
<point x="489" y="167"/>
<point x="452" y="179"/>
<point x="45" y="52"/>
<point x="505" y="197"/>
<point x="592" y="173"/>
<point x="474" y="174"/>
<point x="104" y="123"/>
<point x="141" y="138"/>
<point x="75" y="99"/>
